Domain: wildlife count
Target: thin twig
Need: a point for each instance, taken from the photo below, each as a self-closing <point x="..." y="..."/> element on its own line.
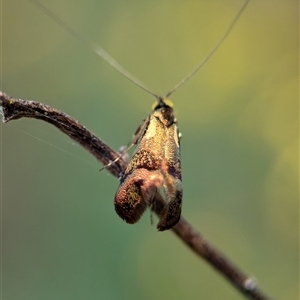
<point x="13" y="109"/>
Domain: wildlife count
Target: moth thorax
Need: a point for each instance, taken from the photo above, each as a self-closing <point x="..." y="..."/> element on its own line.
<point x="165" y="115"/>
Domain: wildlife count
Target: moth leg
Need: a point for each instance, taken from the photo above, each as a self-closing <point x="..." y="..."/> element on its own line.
<point x="123" y="150"/>
<point x="134" y="140"/>
<point x="135" y="193"/>
<point x="140" y="131"/>
<point x="123" y="153"/>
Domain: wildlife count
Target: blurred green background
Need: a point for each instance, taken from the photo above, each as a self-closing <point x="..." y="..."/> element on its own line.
<point x="239" y="119"/>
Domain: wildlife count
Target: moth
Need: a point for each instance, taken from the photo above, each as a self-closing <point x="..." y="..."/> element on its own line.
<point x="155" y="165"/>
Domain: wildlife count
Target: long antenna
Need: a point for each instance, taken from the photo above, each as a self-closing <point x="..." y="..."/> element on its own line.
<point x="96" y="48"/>
<point x="190" y="75"/>
<point x="109" y="59"/>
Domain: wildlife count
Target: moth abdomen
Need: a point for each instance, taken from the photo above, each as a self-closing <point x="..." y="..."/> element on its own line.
<point x="172" y="186"/>
<point x="129" y="203"/>
<point x="172" y="212"/>
<point x="135" y="194"/>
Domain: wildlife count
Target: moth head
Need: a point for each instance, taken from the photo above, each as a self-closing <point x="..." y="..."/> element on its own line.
<point x="163" y="111"/>
<point x="162" y="102"/>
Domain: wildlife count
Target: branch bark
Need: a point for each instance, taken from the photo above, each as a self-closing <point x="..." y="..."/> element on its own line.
<point x="12" y="109"/>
